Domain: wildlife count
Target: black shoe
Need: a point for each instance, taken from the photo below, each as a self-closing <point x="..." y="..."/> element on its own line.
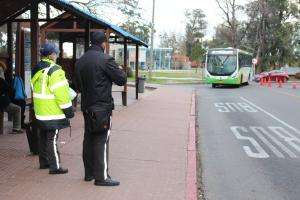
<point x="59" y="171"/>
<point x="89" y="178"/>
<point x="44" y="166"/>
<point x="107" y="182"/>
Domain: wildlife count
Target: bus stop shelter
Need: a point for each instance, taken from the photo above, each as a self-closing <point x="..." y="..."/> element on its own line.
<point x="72" y="25"/>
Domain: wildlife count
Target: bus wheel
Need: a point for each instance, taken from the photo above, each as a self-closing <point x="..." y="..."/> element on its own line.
<point x="248" y="81"/>
<point x="241" y="83"/>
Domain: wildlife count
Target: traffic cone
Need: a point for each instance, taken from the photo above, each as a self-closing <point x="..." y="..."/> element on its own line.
<point x="261" y="81"/>
<point x="294" y="85"/>
<point x="269" y="83"/>
<point x="264" y="81"/>
<point x="280" y="84"/>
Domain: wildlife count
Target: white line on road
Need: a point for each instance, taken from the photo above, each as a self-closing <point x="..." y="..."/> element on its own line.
<point x="272" y="116"/>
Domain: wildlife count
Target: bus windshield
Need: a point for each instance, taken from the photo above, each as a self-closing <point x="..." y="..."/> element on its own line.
<point x="221" y="65"/>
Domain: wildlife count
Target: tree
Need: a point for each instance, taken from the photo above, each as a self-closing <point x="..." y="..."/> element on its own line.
<point x="231" y="25"/>
<point x="195" y="28"/>
<point x="271" y="31"/>
<point x="128" y="8"/>
<point x="198" y="52"/>
<point x="174" y="41"/>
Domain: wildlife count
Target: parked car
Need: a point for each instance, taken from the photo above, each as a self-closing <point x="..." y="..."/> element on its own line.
<point x="291" y="71"/>
<point x="274" y="75"/>
<point x="258" y="77"/>
<point x="278" y="75"/>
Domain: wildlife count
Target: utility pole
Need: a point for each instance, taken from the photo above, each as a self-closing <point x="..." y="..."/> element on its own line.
<point x="152" y="41"/>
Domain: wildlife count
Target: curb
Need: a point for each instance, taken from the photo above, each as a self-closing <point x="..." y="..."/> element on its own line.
<point x="191" y="174"/>
<point x="146" y="86"/>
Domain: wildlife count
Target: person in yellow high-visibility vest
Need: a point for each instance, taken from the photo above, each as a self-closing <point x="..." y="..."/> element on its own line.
<point x="52" y="106"/>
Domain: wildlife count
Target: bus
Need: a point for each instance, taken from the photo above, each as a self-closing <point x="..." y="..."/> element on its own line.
<point x="228" y="66"/>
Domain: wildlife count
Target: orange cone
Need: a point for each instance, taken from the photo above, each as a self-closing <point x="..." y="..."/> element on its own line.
<point x="269" y="83"/>
<point x="280" y="84"/>
<point x="261" y="81"/>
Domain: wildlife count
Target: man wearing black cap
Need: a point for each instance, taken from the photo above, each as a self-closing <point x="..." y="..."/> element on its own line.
<point x="95" y="72"/>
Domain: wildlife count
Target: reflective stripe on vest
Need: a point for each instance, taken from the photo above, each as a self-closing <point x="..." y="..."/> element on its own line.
<point x="64" y="106"/>
<point x="50" y="117"/>
<point x="43" y="96"/>
<point x="58" y="85"/>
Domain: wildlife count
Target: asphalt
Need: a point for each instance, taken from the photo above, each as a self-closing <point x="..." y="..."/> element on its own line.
<point x="249" y="143"/>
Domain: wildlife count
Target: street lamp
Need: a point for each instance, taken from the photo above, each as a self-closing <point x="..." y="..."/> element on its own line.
<point x="152" y="41"/>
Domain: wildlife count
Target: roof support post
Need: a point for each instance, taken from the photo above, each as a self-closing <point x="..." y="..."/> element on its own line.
<point x="87" y="35"/>
<point x="34" y="36"/>
<point x="34" y="33"/>
<point x="48" y="11"/>
<point x="124" y="93"/>
<point x="137" y="72"/>
<point x="107" y="34"/>
<point x="9" y="51"/>
<point x="61" y="48"/>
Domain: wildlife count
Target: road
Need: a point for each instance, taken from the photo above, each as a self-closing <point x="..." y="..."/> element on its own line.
<point x="249" y="142"/>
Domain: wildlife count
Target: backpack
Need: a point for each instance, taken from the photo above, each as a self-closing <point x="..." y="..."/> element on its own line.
<point x="18" y="86"/>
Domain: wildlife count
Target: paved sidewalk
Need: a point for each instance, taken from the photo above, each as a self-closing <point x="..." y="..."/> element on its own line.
<point x="148" y="154"/>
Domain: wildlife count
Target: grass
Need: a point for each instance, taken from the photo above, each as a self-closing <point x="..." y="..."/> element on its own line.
<point x="172" y="77"/>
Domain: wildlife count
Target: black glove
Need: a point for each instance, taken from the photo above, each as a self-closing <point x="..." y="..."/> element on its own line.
<point x="69" y="112"/>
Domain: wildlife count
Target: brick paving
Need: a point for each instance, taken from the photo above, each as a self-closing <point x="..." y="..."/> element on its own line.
<point x="148" y="154"/>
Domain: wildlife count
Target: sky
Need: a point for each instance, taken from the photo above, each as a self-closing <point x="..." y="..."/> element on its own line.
<point x="170" y="14"/>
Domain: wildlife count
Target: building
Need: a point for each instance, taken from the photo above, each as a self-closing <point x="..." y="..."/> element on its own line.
<point x="117" y="51"/>
<point x="162" y="58"/>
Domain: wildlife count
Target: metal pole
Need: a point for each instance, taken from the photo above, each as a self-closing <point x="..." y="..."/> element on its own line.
<point x="137" y="71"/>
<point x="152" y="42"/>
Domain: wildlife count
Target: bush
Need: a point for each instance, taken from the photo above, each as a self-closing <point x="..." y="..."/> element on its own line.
<point x="129" y="72"/>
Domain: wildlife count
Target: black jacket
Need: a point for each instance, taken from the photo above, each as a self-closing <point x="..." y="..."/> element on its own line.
<point x="4" y="94"/>
<point x="95" y="72"/>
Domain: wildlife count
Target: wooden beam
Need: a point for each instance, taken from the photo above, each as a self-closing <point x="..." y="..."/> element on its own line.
<point x="87" y="35"/>
<point x="137" y="72"/>
<point x="34" y="33"/>
<point x="10" y="18"/>
<point x="10" y="52"/>
<point x="124" y="93"/>
<point x="65" y="30"/>
<point x="34" y="36"/>
<point x="48" y="11"/>
<point x="74" y="50"/>
<point x="107" y="34"/>
<point x="61" y="48"/>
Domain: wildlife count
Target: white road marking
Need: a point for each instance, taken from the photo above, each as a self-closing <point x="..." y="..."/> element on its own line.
<point x="272" y="116"/>
<point x="258" y="131"/>
<point x="261" y="132"/>
<point x="221" y="107"/>
<point x="260" y="151"/>
<point x="286" y="136"/>
<point x="234" y="107"/>
<point x="282" y="146"/>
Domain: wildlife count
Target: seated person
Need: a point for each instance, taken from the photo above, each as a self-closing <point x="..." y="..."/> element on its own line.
<point x="5" y="102"/>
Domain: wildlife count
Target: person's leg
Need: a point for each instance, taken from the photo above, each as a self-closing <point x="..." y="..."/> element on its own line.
<point x="100" y="156"/>
<point x="15" y="111"/>
<point x="43" y="155"/>
<point x="22" y="104"/>
<point x="87" y="154"/>
<point x="52" y="150"/>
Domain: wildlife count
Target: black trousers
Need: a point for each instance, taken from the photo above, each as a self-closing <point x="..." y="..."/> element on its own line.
<point x="48" y="151"/>
<point x="22" y="104"/>
<point x="95" y="152"/>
